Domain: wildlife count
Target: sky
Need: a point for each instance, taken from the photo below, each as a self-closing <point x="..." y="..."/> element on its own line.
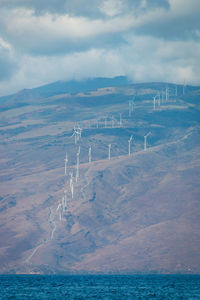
<point x="147" y="40"/>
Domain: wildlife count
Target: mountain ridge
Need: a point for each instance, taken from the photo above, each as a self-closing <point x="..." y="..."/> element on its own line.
<point x="136" y="213"/>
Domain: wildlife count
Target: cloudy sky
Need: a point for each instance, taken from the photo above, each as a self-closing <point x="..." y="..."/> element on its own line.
<point x="147" y="40"/>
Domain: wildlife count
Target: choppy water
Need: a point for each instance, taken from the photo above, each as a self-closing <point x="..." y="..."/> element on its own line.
<point x="100" y="287"/>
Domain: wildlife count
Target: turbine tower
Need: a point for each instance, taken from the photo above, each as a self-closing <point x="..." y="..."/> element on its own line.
<point x="59" y="208"/>
<point x="66" y="161"/>
<point x="109" y="148"/>
<point x="77" y="164"/>
<point x="65" y="199"/>
<point x="145" y="141"/>
<point x="71" y="184"/>
<point x="76" y="134"/>
<point x="129" y="145"/>
<point x="79" y="132"/>
<point x="90" y="154"/>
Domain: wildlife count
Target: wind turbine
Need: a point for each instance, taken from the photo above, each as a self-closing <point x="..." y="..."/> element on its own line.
<point x="79" y="128"/>
<point x="109" y="147"/>
<point x="154" y="101"/>
<point x="129" y="145"/>
<point x="77" y="165"/>
<point x="65" y="199"/>
<point x="76" y="135"/>
<point x="71" y="184"/>
<point x="66" y="161"/>
<point x="90" y="154"/>
<point x="145" y="140"/>
<point x="59" y="208"/>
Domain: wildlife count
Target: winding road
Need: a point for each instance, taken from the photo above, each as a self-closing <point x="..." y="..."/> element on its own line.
<point x="46" y="241"/>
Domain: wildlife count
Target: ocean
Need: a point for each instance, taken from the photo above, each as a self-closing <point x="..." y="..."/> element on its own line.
<point x="100" y="287"/>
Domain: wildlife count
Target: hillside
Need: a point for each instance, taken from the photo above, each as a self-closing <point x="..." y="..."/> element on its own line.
<point x="136" y="213"/>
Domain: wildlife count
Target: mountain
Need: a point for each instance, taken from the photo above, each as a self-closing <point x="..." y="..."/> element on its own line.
<point x="136" y="213"/>
<point x="64" y="87"/>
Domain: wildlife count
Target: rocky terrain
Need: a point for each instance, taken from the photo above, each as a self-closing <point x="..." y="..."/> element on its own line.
<point x="136" y="213"/>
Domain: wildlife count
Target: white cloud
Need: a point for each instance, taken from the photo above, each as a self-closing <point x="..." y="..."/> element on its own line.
<point x="111" y="7"/>
<point x="142" y="39"/>
<point x="56" y="33"/>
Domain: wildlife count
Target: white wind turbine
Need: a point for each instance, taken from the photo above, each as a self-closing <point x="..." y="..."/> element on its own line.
<point x="77" y="164"/>
<point x="66" y="161"/>
<point x="90" y="154"/>
<point x="71" y="184"/>
<point x="109" y="148"/>
<point x="129" y="145"/>
<point x="145" y="141"/>
<point x="76" y="134"/>
<point x="79" y="129"/>
<point x="59" y="209"/>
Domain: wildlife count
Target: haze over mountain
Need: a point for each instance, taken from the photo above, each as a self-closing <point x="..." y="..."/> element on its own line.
<point x="136" y="213"/>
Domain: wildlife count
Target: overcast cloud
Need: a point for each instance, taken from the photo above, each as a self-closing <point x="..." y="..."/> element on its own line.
<point x="147" y="40"/>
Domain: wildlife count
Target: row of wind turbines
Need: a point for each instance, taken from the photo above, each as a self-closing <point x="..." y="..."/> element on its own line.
<point x="158" y="99"/>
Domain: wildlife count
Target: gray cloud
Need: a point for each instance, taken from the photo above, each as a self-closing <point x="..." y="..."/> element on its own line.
<point x="180" y="22"/>
<point x="89" y="8"/>
<point x="148" y="40"/>
<point x="52" y="34"/>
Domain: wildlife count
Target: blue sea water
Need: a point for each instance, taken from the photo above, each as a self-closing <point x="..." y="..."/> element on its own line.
<point x="100" y="287"/>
